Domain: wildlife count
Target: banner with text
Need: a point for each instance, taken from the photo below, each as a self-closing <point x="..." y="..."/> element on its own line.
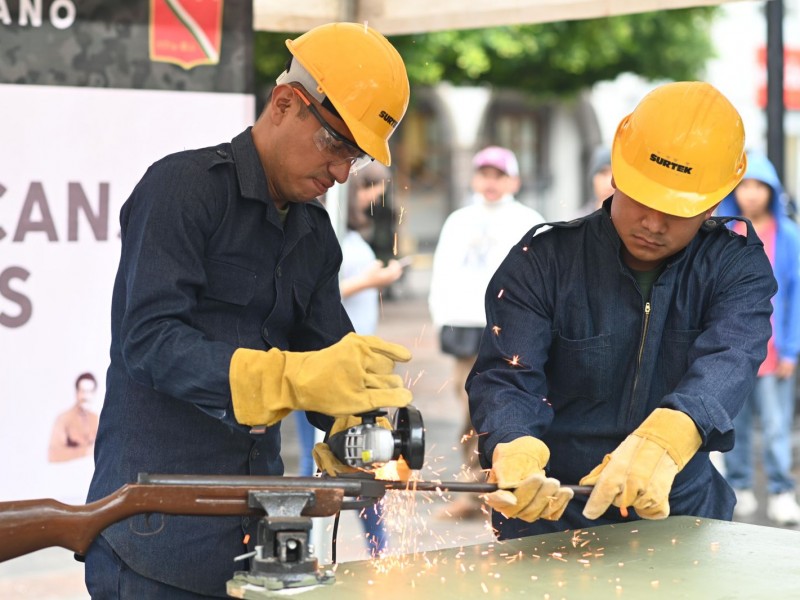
<point x="93" y="95"/>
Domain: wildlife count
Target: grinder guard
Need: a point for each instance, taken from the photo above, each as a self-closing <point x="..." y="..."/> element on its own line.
<point x="368" y="444"/>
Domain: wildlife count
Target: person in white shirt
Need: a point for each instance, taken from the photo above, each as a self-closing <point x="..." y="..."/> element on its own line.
<point x="473" y="242"/>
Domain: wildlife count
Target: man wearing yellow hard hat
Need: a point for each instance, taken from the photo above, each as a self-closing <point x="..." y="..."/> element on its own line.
<point x="227" y="315"/>
<point x="620" y="346"/>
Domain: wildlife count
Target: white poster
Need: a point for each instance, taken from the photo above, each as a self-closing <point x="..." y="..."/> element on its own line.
<point x="69" y="158"/>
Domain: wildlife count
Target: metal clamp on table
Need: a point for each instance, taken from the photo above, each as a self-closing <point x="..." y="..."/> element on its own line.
<point x="282" y="556"/>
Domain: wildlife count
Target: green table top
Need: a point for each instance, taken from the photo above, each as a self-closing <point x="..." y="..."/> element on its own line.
<point x="679" y="557"/>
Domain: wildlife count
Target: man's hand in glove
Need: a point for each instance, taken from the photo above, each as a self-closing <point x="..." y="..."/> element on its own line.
<point x="640" y="472"/>
<point x="352" y="376"/>
<point x="519" y="466"/>
<point x="326" y="460"/>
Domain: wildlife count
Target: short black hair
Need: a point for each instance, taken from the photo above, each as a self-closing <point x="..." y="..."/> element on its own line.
<point x="87" y="376"/>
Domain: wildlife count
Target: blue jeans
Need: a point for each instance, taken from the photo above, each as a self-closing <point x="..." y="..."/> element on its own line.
<point x="773" y="398"/>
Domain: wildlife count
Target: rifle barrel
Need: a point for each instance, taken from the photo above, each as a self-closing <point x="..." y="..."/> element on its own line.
<point x="475" y="487"/>
<point x="351" y="487"/>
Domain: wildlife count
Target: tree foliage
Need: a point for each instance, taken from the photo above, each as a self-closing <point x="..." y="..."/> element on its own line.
<point x="545" y="59"/>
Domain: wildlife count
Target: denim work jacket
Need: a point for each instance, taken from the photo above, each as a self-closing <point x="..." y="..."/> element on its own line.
<point x="574" y="355"/>
<point x="206" y="268"/>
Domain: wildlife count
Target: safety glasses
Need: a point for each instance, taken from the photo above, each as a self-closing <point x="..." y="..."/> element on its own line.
<point x="332" y="143"/>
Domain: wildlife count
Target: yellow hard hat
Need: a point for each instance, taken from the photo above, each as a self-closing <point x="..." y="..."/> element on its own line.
<point x="681" y="150"/>
<point x="362" y="75"/>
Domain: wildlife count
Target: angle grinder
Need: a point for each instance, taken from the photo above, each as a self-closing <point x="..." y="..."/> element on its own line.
<point x="370" y="445"/>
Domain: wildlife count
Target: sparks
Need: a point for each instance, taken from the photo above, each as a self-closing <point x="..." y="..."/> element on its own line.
<point x="514" y="361"/>
<point x="496" y="329"/>
<point x="388" y="471"/>
<point x="500" y="295"/>
<point x="418" y="339"/>
<point x="405" y="515"/>
<point x="420" y="374"/>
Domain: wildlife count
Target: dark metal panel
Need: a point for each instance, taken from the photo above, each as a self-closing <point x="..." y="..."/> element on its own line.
<point x="107" y="44"/>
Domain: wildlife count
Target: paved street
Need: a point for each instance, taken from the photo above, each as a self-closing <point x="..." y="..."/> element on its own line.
<point x="415" y="525"/>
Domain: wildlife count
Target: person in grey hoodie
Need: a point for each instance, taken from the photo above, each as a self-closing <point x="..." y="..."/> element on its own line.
<point x="760" y="198"/>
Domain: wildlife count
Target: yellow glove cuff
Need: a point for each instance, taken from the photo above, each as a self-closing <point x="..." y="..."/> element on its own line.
<point x="246" y="376"/>
<point x="674" y="431"/>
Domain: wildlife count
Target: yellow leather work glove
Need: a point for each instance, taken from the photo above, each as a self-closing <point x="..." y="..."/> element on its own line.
<point x="352" y="376"/>
<point x="640" y="472"/>
<point x="326" y="460"/>
<point x="519" y="465"/>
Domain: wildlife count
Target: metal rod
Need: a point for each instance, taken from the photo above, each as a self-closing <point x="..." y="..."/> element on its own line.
<point x="351" y="487"/>
<point x="475" y="487"/>
<point x="359" y="485"/>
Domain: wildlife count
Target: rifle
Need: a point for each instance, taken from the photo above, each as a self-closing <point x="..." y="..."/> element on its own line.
<point x="30" y="525"/>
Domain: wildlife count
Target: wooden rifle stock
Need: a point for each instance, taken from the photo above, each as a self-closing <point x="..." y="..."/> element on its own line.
<point x="30" y="525"/>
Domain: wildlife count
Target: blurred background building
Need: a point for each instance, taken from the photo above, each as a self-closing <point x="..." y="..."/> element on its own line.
<point x="553" y="92"/>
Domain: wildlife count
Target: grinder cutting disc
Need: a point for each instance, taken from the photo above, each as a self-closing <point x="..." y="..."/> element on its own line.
<point x="409" y="436"/>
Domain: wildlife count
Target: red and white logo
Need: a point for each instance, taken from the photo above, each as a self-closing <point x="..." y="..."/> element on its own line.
<point x="186" y="32"/>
